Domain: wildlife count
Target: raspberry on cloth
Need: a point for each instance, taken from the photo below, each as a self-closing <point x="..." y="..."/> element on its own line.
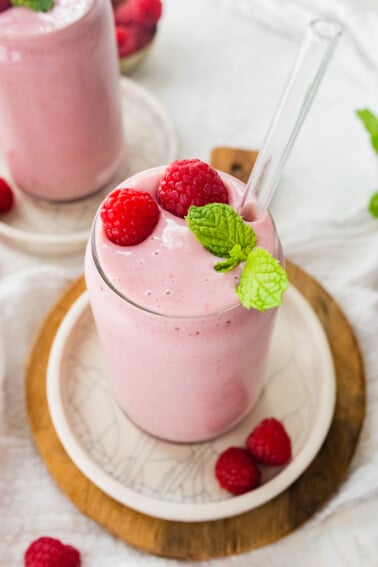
<point x="50" y="552"/>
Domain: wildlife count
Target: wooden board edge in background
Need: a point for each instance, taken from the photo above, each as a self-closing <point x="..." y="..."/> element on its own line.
<point x="237" y="162"/>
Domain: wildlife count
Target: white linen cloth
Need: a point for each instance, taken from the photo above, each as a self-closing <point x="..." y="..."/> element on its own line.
<point x="321" y="215"/>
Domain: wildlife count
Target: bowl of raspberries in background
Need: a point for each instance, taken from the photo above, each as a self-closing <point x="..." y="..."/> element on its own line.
<point x="136" y="24"/>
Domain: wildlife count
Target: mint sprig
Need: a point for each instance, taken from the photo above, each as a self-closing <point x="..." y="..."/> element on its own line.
<point x="373" y="205"/>
<point x="262" y="282"/>
<point x="36" y="5"/>
<point x="370" y="121"/>
<point x="236" y="256"/>
<point x="218" y="227"/>
<point x="225" y="234"/>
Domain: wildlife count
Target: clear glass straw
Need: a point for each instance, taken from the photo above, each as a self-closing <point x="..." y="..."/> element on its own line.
<point x="303" y="83"/>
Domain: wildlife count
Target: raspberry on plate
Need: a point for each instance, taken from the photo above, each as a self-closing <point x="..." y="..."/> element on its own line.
<point x="6" y="197"/>
<point x="190" y="182"/>
<point x="141" y="12"/>
<point x="236" y="471"/>
<point x="50" y="552"/>
<point x="269" y="443"/>
<point x="129" y="216"/>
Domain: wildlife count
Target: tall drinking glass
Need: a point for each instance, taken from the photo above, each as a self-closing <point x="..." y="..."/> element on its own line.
<point x="185" y="359"/>
<point x="60" y="114"/>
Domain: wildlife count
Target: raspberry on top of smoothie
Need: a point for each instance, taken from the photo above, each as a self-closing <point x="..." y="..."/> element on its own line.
<point x="190" y="182"/>
<point x="156" y="259"/>
<point x="129" y="216"/>
<point x="4" y="5"/>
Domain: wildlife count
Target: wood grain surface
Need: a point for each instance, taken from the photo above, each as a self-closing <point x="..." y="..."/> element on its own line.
<point x="238" y="162"/>
<point x="258" y="527"/>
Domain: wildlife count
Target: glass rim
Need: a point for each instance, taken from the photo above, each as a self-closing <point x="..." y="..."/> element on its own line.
<point x="108" y="283"/>
<point x="326" y="29"/>
<point x="112" y="287"/>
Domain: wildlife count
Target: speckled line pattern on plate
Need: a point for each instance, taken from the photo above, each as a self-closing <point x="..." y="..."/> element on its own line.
<point x="175" y="481"/>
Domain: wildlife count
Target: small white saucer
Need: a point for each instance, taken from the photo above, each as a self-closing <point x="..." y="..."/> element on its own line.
<point x="47" y="228"/>
<point x="176" y="481"/>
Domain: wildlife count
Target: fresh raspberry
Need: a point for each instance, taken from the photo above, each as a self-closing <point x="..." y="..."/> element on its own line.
<point x="6" y="197"/>
<point x="4" y="5"/>
<point x="131" y="38"/>
<point x="269" y="443"/>
<point x="127" y="41"/>
<point x="129" y="216"/>
<point x="236" y="471"/>
<point x="190" y="182"/>
<point x="141" y="12"/>
<point x="50" y="552"/>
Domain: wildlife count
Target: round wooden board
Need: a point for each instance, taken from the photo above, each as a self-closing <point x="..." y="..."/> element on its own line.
<point x="261" y="526"/>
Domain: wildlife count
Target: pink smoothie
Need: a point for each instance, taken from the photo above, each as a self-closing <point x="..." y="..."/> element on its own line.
<point x="185" y="358"/>
<point x="60" y="116"/>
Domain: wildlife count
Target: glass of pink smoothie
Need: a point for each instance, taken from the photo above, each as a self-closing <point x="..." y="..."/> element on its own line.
<point x="60" y="115"/>
<point x="186" y="360"/>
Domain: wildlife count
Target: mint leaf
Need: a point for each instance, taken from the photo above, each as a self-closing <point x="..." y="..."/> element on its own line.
<point x="262" y="282"/>
<point x="36" y="5"/>
<point x="373" y="205"/>
<point x="225" y="234"/>
<point x="370" y="121"/>
<point x="219" y="228"/>
<point x="236" y="256"/>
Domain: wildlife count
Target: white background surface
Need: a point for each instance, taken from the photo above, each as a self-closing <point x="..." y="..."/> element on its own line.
<point x="219" y="67"/>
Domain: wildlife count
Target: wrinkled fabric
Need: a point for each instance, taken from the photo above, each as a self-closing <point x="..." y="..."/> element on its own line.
<point x="325" y="228"/>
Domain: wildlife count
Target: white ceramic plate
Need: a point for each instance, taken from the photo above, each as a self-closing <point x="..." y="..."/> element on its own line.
<point x="176" y="481"/>
<point x="47" y="228"/>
